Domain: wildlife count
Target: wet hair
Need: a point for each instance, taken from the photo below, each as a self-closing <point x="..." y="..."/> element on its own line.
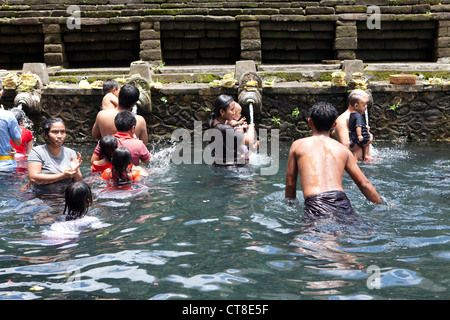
<point x="110" y="85"/>
<point x="48" y="124"/>
<point x="120" y="161"/>
<point x="323" y="115"/>
<point x="107" y="146"/>
<point x="124" y="121"/>
<point x="355" y="96"/>
<point x="221" y="103"/>
<point x="78" y="199"/>
<point x="19" y="114"/>
<point x="128" y="96"/>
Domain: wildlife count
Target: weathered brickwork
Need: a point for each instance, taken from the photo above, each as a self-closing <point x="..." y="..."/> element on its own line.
<point x="178" y="32"/>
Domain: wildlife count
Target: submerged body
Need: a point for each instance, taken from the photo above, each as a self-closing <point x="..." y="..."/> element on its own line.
<point x="321" y="161"/>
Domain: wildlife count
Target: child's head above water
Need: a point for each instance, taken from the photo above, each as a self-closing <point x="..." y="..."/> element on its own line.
<point x="107" y="146"/>
<point x="78" y="199"/>
<point x="124" y="121"/>
<point x="121" y="161"/>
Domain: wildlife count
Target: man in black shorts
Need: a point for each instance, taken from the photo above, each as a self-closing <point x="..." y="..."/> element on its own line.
<point x="320" y="161"/>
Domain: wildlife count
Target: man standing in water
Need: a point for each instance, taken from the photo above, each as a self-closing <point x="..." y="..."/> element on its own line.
<point x="104" y="123"/>
<point x="320" y="161"/>
<point x="356" y="98"/>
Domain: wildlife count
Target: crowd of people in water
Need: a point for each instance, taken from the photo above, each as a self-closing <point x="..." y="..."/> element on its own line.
<point x="337" y="142"/>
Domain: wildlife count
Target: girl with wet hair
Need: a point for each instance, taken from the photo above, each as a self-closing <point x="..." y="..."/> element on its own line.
<point x="108" y="144"/>
<point x="78" y="196"/>
<point x="78" y="199"/>
<point x="122" y="168"/>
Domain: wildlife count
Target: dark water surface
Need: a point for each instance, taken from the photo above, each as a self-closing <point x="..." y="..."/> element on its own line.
<point x="196" y="232"/>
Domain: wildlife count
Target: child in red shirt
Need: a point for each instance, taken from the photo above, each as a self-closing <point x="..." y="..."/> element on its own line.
<point x="24" y="149"/>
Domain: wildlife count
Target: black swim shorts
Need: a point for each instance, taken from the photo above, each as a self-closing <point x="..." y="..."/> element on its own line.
<point x="327" y="205"/>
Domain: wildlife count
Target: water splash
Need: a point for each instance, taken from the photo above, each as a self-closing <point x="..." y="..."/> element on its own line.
<point x="161" y="155"/>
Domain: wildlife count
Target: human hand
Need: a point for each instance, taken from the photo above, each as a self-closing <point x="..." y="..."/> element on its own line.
<point x="360" y="138"/>
<point x="75" y="163"/>
<point x="12" y="152"/>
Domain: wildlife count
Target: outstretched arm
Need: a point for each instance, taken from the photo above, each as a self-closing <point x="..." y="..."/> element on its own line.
<point x="361" y="180"/>
<point x="291" y="175"/>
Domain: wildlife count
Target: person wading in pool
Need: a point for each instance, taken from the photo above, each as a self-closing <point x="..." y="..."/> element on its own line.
<point x="232" y="152"/>
<point x="320" y="161"/>
<point x="357" y="99"/>
<point x="104" y="123"/>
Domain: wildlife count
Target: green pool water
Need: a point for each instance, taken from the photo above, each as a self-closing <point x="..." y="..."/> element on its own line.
<point x="195" y="232"/>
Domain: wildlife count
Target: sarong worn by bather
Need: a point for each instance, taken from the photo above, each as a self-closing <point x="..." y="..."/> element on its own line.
<point x="327" y="205"/>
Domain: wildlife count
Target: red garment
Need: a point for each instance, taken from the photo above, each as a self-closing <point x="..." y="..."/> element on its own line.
<point x="27" y="136"/>
<point x="137" y="148"/>
<point x="132" y="175"/>
<point x="100" y="168"/>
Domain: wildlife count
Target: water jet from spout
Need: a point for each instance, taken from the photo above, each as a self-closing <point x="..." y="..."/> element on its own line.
<point x="250" y="110"/>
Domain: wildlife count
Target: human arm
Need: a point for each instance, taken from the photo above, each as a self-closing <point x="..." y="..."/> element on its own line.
<point x="96" y="134"/>
<point x="17" y="142"/>
<point x="361" y="180"/>
<point x="291" y="175"/>
<point x="141" y="130"/>
<point x="36" y="176"/>
<point x="359" y="133"/>
<point x="28" y="147"/>
<point x="249" y="138"/>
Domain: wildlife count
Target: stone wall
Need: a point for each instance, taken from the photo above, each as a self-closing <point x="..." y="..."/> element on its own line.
<point x="411" y="112"/>
<point x="417" y="112"/>
<point x="114" y="32"/>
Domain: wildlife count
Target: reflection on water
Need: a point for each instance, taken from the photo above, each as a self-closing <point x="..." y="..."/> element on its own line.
<point x="201" y="232"/>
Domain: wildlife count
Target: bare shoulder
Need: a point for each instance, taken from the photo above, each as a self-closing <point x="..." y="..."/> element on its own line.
<point x="102" y="114"/>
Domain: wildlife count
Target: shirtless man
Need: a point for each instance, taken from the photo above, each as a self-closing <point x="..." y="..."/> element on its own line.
<point x="104" y="123"/>
<point x="320" y="161"/>
<point x="356" y="98"/>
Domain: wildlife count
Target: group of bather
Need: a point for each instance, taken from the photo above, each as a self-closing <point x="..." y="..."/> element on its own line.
<point x="122" y="145"/>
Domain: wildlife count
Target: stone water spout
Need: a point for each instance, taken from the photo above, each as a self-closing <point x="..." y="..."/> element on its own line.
<point x="29" y="101"/>
<point x="250" y="97"/>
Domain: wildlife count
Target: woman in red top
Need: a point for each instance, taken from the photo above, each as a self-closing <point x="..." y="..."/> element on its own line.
<point x="122" y="168"/>
<point x="24" y="149"/>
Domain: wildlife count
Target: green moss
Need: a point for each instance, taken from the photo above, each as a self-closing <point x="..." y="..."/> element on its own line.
<point x="384" y="76"/>
<point x="206" y="78"/>
<point x="325" y="76"/>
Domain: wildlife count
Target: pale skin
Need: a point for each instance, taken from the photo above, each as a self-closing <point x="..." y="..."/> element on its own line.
<point x="361" y="108"/>
<point x="104" y="125"/>
<point x="320" y="163"/>
<point x="340" y="131"/>
<point x="110" y="100"/>
<point x="55" y="140"/>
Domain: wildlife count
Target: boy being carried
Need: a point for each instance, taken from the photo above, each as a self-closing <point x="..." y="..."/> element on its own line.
<point x="111" y="90"/>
